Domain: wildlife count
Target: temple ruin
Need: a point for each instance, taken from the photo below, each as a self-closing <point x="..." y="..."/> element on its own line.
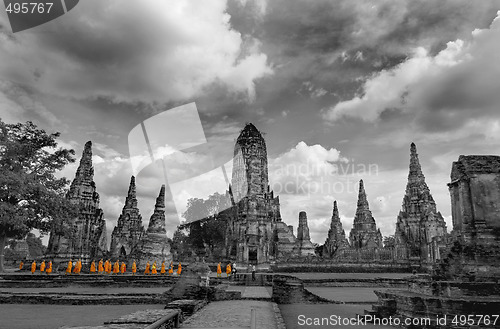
<point x="364" y="233"/>
<point x="336" y="239"/>
<point x="84" y="236"/>
<point x="420" y="228"/>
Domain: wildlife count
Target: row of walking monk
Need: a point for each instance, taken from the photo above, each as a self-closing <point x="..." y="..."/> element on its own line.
<point x="105" y="267"/>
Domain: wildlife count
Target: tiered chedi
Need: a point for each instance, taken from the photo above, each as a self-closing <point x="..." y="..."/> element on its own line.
<point x="336" y="239"/>
<point x="129" y="230"/>
<point x="84" y="236"/>
<point x="364" y="233"/>
<point x="418" y="222"/>
<point x="155" y="245"/>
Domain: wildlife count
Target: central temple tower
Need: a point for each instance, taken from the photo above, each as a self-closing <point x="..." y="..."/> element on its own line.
<point x="258" y="233"/>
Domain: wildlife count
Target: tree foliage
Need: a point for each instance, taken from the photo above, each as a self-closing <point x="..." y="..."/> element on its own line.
<point x="31" y="196"/>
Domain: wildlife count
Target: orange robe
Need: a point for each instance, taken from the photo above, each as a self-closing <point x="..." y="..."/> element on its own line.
<point x="171" y="269"/>
<point x="219" y="270"/>
<point x="21" y="264"/>
<point x="146" y="271"/>
<point x="134" y="268"/>
<point x="228" y="269"/>
<point x="92" y="267"/>
<point x="100" y="267"/>
<point x="162" y="271"/>
<point x="49" y="268"/>
<point x="33" y="267"/>
<point x="42" y="267"/>
<point x="107" y="267"/>
<point x="70" y="266"/>
<point x="116" y="268"/>
<point x="179" y="269"/>
<point x="153" y="271"/>
<point x="123" y="269"/>
<point x="79" y="267"/>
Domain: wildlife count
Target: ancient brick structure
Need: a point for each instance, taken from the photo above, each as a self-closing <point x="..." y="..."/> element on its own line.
<point x="465" y="279"/>
<point x="304" y="246"/>
<point x="129" y="230"/>
<point x="154" y="245"/>
<point x="420" y="228"/>
<point x="364" y="233"/>
<point x="85" y="236"/>
<point x="336" y="239"/>
<point x="475" y="202"/>
<point x="258" y="234"/>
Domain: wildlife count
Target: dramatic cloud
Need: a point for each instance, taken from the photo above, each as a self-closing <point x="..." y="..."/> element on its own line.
<point x="145" y="51"/>
<point x="444" y="92"/>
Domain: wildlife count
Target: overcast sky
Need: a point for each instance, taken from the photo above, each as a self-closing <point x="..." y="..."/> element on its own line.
<point x="339" y="88"/>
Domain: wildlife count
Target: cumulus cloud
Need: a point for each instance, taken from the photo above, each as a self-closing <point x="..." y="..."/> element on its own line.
<point x="441" y="92"/>
<point x="146" y="51"/>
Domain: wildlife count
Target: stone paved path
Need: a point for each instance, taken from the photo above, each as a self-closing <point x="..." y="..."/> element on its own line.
<point x="233" y="314"/>
<point x="256" y="292"/>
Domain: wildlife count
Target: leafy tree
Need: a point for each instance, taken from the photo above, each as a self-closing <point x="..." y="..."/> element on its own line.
<point x="389" y="242"/>
<point x="30" y="194"/>
<point x="35" y="246"/>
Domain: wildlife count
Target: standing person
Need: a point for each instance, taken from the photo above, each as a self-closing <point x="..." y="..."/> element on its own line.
<point x="171" y="268"/>
<point x="123" y="269"/>
<point x="92" y="267"/>
<point x="219" y="270"/>
<point x="179" y="269"/>
<point x="109" y="267"/>
<point x="146" y="271"/>
<point x="153" y="271"/>
<point x="42" y="267"/>
<point x="134" y="268"/>
<point x="33" y="267"/>
<point x="116" y="267"/>
<point x="162" y="271"/>
<point x="228" y="270"/>
<point x="79" y="266"/>
<point x="70" y="266"/>
<point x="253" y="272"/>
<point x="235" y="272"/>
<point x="100" y="268"/>
<point x="49" y="268"/>
<point x="21" y="265"/>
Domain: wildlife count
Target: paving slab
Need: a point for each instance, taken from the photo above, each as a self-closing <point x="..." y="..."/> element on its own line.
<point x="233" y="314"/>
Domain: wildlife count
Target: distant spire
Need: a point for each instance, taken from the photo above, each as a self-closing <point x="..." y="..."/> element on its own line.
<point x="157" y="220"/>
<point x="335" y="216"/>
<point x="85" y="170"/>
<point x="415" y="173"/>
<point x="362" y="201"/>
<point x="131" y="200"/>
<point x="335" y="209"/>
<point x="160" y="200"/>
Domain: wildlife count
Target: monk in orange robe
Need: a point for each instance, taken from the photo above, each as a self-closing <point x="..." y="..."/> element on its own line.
<point x="107" y="266"/>
<point x="42" y="267"/>
<point x="33" y="267"/>
<point x="21" y="265"/>
<point x="219" y="270"/>
<point x="153" y="271"/>
<point x="123" y="268"/>
<point x="162" y="271"/>
<point x="79" y="266"/>
<point x="228" y="270"/>
<point x="179" y="269"/>
<point x="134" y="268"/>
<point x="49" y="268"/>
<point x="116" y="268"/>
<point x="70" y="266"/>
<point x="92" y="267"/>
<point x="146" y="271"/>
<point x="171" y="268"/>
<point x="100" y="268"/>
